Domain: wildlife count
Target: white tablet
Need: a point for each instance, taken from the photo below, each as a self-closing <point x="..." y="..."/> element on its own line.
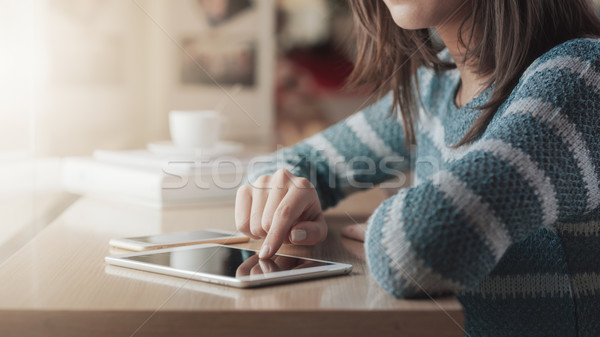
<point x="232" y="266"/>
<point x="176" y="239"/>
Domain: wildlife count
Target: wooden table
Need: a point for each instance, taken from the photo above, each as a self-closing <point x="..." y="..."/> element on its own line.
<point x="59" y="285"/>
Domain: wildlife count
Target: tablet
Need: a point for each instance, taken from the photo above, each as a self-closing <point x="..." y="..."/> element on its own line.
<point x="226" y="265"/>
<point x="175" y="239"/>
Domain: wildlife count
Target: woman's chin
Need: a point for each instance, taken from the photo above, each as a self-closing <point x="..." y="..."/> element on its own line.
<point x="406" y="18"/>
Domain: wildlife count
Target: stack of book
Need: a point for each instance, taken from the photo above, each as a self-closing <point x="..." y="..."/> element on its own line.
<point x="143" y="177"/>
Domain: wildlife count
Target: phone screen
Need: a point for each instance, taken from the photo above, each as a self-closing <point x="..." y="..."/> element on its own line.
<point x="178" y="237"/>
<point x="225" y="261"/>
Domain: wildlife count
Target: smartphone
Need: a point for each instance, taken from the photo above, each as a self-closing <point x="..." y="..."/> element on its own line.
<point x="226" y="265"/>
<point x="176" y="239"/>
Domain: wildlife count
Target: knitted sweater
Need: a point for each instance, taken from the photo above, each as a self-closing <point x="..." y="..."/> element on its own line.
<point x="508" y="223"/>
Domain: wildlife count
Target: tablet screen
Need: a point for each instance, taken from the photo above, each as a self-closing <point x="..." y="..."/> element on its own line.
<point x="225" y="261"/>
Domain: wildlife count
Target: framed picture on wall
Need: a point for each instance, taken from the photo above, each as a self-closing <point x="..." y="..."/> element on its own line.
<point x="224" y="60"/>
<point x="210" y="48"/>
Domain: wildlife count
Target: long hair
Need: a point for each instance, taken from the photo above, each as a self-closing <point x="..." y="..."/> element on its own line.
<point x="510" y="35"/>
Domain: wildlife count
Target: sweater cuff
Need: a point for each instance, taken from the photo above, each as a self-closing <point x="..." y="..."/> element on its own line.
<point x="392" y="261"/>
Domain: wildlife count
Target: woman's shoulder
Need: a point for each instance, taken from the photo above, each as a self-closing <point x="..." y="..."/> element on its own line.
<point x="564" y="81"/>
<point x="577" y="55"/>
<point x="570" y="64"/>
<point x="585" y="48"/>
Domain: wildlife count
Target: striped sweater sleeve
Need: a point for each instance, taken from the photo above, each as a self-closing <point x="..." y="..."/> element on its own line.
<point x="354" y="154"/>
<point x="537" y="163"/>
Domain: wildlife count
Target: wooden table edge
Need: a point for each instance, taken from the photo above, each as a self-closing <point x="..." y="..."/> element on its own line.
<point x="231" y="323"/>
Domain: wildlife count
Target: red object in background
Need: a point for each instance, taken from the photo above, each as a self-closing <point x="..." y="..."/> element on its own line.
<point x="328" y="67"/>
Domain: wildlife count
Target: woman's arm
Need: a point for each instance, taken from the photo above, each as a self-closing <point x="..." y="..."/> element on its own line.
<point x="357" y="153"/>
<point x="286" y="195"/>
<point x="537" y="163"/>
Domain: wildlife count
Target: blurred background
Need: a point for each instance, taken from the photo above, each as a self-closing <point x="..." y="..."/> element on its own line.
<point x="78" y="76"/>
<point x="84" y="75"/>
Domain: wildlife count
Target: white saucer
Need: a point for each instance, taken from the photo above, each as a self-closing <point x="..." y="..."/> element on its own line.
<point x="222" y="148"/>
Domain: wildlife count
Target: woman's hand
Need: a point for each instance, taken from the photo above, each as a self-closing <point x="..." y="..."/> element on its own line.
<point x="355" y="232"/>
<point x="280" y="208"/>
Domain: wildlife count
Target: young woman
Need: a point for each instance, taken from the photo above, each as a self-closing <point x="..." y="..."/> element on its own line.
<point x="504" y="116"/>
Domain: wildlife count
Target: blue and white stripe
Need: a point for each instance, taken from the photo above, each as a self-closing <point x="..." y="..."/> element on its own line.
<point x="413" y="271"/>
<point x="527" y="189"/>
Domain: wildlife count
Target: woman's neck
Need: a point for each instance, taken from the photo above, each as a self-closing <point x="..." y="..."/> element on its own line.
<point x="471" y="81"/>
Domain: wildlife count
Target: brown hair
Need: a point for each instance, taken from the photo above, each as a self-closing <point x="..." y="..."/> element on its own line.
<point x="511" y="35"/>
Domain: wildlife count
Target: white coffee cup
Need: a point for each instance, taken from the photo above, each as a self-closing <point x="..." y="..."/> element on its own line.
<point x="195" y="129"/>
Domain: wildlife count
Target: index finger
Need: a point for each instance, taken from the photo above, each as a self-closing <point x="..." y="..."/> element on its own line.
<point x="287" y="214"/>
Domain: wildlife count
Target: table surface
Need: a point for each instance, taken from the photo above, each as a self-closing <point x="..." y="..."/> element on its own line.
<point x="59" y="284"/>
